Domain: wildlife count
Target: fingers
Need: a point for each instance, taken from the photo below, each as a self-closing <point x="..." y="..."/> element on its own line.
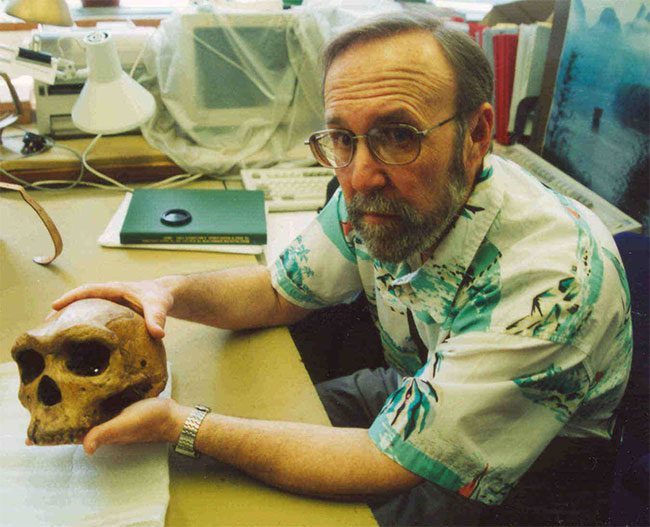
<point x="142" y="422"/>
<point x="155" y="321"/>
<point x="136" y="296"/>
<point x="107" y="433"/>
<point x="109" y="291"/>
<point x="91" y="442"/>
<point x="153" y="311"/>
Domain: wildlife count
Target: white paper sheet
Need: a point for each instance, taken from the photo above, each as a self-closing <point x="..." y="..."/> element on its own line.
<point x="62" y="486"/>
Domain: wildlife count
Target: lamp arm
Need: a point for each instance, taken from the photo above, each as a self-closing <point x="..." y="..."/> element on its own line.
<point x="45" y="218"/>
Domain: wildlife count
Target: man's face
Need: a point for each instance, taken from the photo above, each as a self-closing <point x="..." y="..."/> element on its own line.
<point x="398" y="210"/>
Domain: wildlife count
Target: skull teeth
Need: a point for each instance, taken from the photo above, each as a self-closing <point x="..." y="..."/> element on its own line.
<point x="62" y="437"/>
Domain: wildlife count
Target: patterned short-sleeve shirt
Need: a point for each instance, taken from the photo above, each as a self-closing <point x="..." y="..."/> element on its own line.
<point x="524" y="310"/>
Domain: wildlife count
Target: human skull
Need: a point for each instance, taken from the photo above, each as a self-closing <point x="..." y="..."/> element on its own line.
<point x="83" y="366"/>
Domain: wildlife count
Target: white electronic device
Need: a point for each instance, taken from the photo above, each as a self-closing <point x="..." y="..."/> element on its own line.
<point x="614" y="219"/>
<point x="290" y="189"/>
<point x="236" y="67"/>
<point x="16" y="61"/>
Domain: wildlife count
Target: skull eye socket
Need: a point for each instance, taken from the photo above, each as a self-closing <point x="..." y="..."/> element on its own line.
<point x="87" y="359"/>
<point x="31" y="364"/>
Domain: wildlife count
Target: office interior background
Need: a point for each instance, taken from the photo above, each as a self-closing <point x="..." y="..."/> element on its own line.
<point x="604" y="95"/>
<point x="612" y="109"/>
<point x="471" y="9"/>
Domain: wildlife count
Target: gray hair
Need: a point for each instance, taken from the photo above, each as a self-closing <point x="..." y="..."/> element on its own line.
<point x="474" y="79"/>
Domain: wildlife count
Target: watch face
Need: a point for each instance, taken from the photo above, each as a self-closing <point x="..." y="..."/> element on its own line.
<point x="202" y="407"/>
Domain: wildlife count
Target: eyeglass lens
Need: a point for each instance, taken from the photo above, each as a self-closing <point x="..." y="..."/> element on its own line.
<point x="392" y="144"/>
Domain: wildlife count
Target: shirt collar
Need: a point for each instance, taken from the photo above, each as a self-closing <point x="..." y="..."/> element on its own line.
<point x="430" y="289"/>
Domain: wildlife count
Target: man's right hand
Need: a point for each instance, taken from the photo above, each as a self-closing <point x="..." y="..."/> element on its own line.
<point x="149" y="298"/>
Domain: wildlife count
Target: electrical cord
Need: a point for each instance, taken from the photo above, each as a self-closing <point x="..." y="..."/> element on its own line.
<point x="43" y="185"/>
<point x="64" y="184"/>
<point x="97" y="173"/>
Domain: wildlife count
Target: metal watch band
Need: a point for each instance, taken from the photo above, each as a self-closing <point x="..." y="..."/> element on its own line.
<point x="191" y="426"/>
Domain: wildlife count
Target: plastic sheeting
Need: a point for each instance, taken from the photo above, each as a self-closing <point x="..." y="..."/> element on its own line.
<point x="241" y="88"/>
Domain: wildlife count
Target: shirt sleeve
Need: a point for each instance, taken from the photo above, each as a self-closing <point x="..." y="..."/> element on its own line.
<point x="481" y="410"/>
<point x="319" y="268"/>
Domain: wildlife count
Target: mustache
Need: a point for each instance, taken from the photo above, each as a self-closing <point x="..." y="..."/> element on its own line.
<point x="376" y="203"/>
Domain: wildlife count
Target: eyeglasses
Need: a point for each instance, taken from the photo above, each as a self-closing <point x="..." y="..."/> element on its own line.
<point x="392" y="144"/>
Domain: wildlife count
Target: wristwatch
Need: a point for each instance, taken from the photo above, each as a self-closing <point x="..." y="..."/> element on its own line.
<point x="191" y="426"/>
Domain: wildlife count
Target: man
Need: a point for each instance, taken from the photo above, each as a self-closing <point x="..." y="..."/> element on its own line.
<point x="501" y="306"/>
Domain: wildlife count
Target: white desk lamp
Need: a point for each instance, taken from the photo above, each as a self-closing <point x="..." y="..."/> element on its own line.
<point x="110" y="102"/>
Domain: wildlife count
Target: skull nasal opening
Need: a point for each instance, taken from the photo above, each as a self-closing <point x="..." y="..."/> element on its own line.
<point x="48" y="392"/>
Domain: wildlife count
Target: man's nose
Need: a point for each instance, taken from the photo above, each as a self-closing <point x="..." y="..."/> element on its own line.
<point x="367" y="171"/>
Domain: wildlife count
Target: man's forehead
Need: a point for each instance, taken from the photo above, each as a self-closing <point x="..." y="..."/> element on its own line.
<point x="411" y="67"/>
<point x="397" y="111"/>
<point x="416" y="51"/>
<point x="385" y="80"/>
<point x="398" y="114"/>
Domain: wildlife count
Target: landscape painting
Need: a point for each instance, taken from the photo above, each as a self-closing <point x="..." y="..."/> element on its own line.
<point x="599" y="123"/>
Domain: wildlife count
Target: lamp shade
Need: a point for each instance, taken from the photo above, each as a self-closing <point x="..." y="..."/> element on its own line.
<point x="53" y="12"/>
<point x="110" y="102"/>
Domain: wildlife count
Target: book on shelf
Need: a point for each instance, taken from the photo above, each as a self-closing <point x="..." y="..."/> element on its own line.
<point x="505" y="53"/>
<point x="181" y="216"/>
<point x="532" y="48"/>
<point x="475" y="31"/>
<point x="488" y="37"/>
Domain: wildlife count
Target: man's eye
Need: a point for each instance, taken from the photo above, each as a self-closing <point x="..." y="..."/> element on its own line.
<point x="399" y="134"/>
<point x="341" y="139"/>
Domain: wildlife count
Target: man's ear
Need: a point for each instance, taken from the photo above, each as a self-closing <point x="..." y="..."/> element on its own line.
<point x="480" y="135"/>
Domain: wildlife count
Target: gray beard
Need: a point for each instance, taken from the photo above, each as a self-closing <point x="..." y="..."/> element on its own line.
<point x="411" y="231"/>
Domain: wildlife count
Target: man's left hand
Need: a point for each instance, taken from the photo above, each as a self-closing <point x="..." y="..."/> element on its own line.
<point x="147" y="421"/>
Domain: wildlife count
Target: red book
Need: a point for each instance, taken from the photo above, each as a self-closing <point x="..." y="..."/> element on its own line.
<point x="505" y="56"/>
<point x="476" y="32"/>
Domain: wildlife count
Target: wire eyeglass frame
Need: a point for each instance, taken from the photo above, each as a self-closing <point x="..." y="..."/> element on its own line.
<point x="324" y="160"/>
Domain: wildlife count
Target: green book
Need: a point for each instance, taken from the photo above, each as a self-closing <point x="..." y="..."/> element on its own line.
<point x="234" y="217"/>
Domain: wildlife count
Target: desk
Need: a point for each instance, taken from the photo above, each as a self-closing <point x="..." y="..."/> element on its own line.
<point x="218" y="368"/>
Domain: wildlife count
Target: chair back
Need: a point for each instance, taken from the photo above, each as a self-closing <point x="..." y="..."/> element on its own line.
<point x="630" y="490"/>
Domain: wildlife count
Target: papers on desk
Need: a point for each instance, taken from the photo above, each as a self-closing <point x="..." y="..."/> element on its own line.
<point x="111" y="238"/>
<point x="60" y="485"/>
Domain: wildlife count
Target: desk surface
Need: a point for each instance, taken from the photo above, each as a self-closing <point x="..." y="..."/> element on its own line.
<point x="250" y="374"/>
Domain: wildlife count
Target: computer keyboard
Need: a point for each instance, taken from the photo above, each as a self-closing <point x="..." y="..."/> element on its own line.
<point x="615" y="219"/>
<point x="290" y="189"/>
